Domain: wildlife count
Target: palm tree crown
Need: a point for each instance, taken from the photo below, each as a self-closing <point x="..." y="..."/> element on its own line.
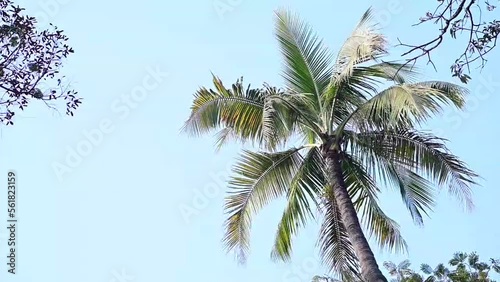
<point x="333" y="104"/>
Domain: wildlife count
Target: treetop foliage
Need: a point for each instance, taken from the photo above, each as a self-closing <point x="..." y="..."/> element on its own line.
<point x="29" y="64"/>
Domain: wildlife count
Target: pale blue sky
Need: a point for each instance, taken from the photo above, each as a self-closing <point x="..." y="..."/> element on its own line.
<point x="118" y="209"/>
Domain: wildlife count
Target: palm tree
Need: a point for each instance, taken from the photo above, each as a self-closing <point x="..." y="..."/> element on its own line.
<point x="465" y="265"/>
<point x="469" y="268"/>
<point x="401" y="271"/>
<point x="353" y="139"/>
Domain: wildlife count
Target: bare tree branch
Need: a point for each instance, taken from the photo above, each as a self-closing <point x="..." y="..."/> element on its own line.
<point x="458" y="17"/>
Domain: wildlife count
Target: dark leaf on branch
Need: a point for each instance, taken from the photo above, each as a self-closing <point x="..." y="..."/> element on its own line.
<point x="460" y="19"/>
<point x="30" y="61"/>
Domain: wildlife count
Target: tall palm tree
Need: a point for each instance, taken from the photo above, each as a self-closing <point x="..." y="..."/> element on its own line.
<point x="353" y="140"/>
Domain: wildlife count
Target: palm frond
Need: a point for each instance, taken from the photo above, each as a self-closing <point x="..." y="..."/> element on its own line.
<point x="441" y="271"/>
<point x="350" y="82"/>
<point x="363" y="191"/>
<point x="307" y="60"/>
<point x="390" y="71"/>
<point x="391" y="267"/>
<point x="296" y="109"/>
<point x="223" y="136"/>
<point x="415" y="277"/>
<point x="364" y="44"/>
<point x="405" y="264"/>
<point x="347" y="96"/>
<point x="458" y="258"/>
<point x="426" y="155"/>
<point x="407" y="105"/>
<point x="318" y="278"/>
<point x="473" y="259"/>
<point x="431" y="279"/>
<point x="425" y="268"/>
<point x="343" y="99"/>
<point x="416" y="192"/>
<point x="238" y="108"/>
<point x="259" y="178"/>
<point x="335" y="247"/>
<point x="304" y="189"/>
<point x="239" y="113"/>
<point x="447" y="93"/>
<point x="495" y="265"/>
<point x="278" y="120"/>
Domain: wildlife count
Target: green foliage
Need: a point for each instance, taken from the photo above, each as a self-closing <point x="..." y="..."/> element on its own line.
<point x="318" y="278"/>
<point x="30" y="64"/>
<point x="463" y="267"/>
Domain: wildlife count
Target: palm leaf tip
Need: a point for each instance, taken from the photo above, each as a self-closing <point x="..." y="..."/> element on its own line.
<point x="258" y="178"/>
<point x="418" y="155"/>
<point x="446" y="93"/>
<point x="365" y="43"/>
<point x="306" y="184"/>
<point x="236" y="238"/>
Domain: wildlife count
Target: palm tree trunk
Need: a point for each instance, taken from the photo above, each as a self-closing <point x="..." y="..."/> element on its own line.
<point x="369" y="268"/>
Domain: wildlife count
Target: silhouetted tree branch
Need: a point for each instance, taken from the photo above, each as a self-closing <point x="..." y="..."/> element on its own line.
<point x="455" y="18"/>
<point x="30" y="60"/>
